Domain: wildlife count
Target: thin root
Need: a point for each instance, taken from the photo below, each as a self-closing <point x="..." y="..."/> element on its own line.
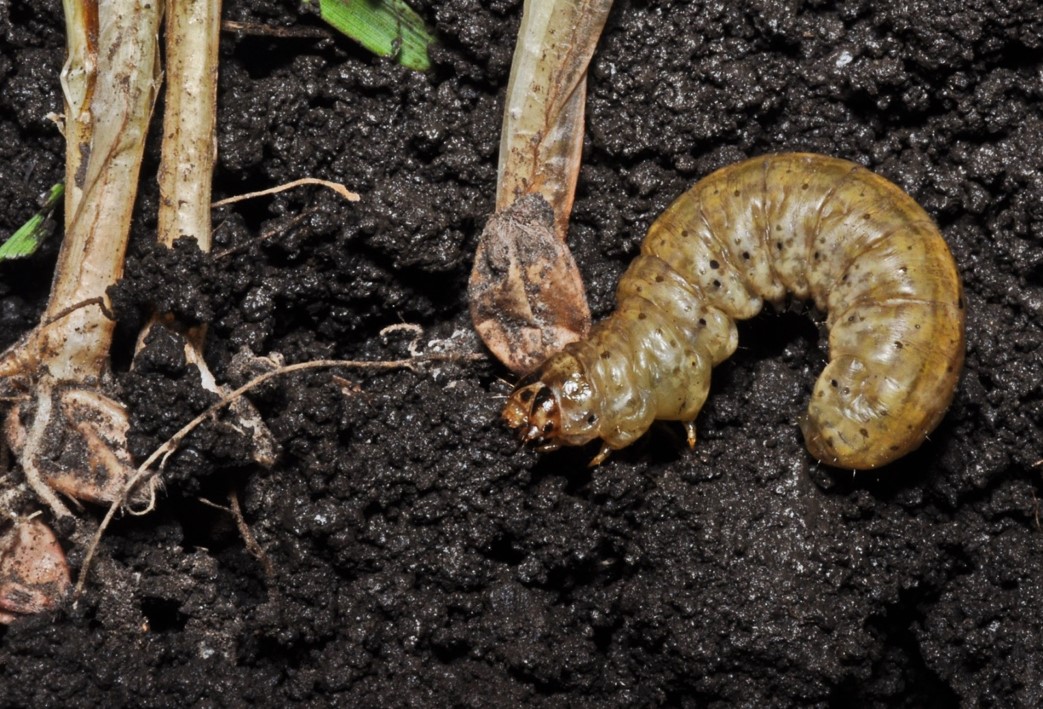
<point x="252" y="545"/>
<point x="335" y="186"/>
<point x="164" y="451"/>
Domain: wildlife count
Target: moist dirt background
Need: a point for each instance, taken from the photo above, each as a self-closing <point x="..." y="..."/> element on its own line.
<point x="420" y="558"/>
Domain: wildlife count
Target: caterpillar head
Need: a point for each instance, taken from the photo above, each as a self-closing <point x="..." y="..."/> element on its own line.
<point x="554" y="406"/>
<point x="532" y="409"/>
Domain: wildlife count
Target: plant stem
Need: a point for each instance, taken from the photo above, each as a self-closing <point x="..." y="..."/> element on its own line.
<point x="76" y="347"/>
<point x="189" y="121"/>
<point x="542" y="135"/>
<point x="78" y="76"/>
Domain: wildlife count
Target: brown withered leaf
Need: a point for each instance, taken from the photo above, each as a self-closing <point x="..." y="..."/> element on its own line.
<point x="34" y="576"/>
<point x="526" y="294"/>
<point x="75" y="438"/>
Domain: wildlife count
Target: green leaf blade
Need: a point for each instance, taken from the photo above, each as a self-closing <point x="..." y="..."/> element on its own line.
<point x="27" y="239"/>
<point x="388" y="28"/>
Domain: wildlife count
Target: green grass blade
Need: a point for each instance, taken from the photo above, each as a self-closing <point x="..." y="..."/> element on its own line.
<point x="30" y="235"/>
<point x="388" y="28"/>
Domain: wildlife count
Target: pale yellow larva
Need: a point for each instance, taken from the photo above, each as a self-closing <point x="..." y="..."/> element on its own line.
<point x="808" y="225"/>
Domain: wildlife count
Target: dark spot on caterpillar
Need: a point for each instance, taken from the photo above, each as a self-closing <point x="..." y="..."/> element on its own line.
<point x="548" y="427"/>
<point x="899" y="400"/>
<point x="525" y="395"/>
<point x="606" y="355"/>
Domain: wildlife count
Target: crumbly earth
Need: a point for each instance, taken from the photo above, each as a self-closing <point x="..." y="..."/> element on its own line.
<point x="418" y="557"/>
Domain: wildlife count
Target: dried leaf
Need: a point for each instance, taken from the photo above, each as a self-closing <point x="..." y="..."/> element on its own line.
<point x="526" y="294"/>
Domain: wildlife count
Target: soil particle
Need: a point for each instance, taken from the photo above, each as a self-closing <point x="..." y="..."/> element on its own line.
<point x="420" y="557"/>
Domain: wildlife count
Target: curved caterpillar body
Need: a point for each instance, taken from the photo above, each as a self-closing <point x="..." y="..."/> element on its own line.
<point x="809" y="225"/>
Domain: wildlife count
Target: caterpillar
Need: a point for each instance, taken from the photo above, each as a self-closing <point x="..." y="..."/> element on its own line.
<point x="811" y="226"/>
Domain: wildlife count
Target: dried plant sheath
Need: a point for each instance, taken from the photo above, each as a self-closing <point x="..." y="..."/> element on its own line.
<point x="189" y="119"/>
<point x="78" y="75"/>
<point x="91" y="257"/>
<point x="68" y="433"/>
<point x="33" y="574"/>
<point x="526" y="294"/>
<point x="542" y="132"/>
<point x="525" y="286"/>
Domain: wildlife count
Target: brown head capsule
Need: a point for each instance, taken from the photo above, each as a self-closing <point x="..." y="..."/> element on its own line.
<point x="812" y="226"/>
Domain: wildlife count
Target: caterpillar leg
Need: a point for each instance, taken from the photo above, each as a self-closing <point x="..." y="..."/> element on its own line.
<point x="601" y="456"/>
<point x="689" y="427"/>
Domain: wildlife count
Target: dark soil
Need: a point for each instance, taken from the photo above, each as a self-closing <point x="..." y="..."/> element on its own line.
<point x="420" y="558"/>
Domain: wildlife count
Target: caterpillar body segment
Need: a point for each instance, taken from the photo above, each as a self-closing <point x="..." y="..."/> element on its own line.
<point x="811" y="226"/>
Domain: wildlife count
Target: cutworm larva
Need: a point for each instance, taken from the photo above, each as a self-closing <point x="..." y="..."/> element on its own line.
<point x="816" y="227"/>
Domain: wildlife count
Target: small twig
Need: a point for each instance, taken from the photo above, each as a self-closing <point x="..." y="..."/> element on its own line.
<point x="335" y="186"/>
<point x="164" y="451"/>
<point x="248" y="538"/>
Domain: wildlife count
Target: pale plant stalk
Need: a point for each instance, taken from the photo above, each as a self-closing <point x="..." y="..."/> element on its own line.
<point x="64" y="359"/>
<point x="109" y="82"/>
<point x="542" y="135"/>
<point x="77" y="78"/>
<point x="189" y="121"/>
<point x="75" y="346"/>
<point x="189" y="135"/>
<point x="186" y="172"/>
<point x="525" y="291"/>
